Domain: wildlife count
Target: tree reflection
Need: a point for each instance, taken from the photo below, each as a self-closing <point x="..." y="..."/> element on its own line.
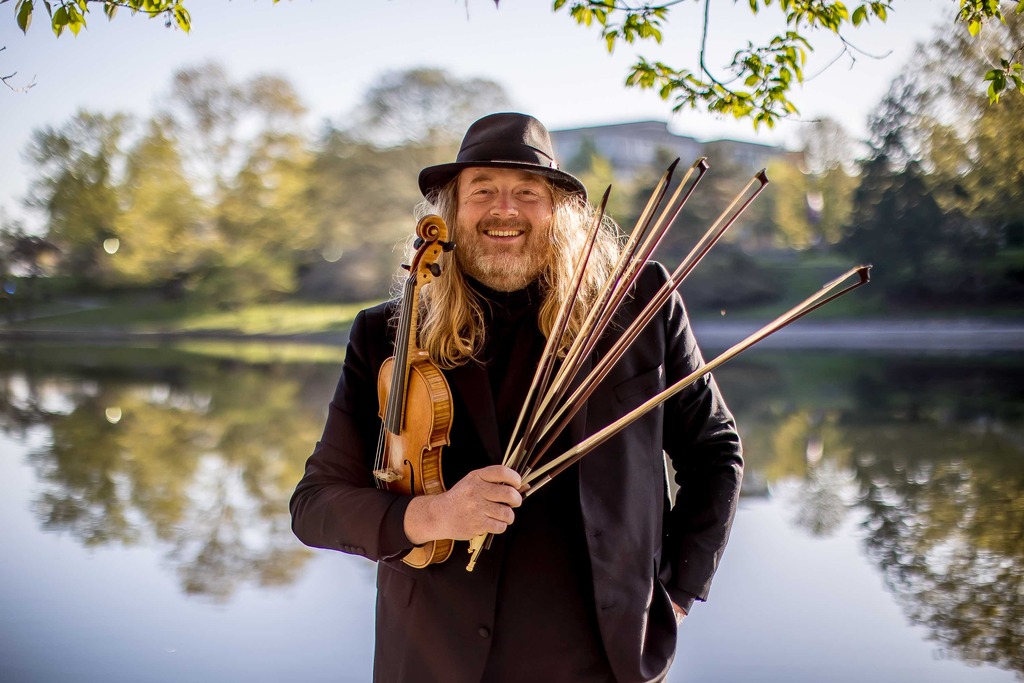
<point x="934" y="453"/>
<point x="945" y="514"/>
<point x="198" y="461"/>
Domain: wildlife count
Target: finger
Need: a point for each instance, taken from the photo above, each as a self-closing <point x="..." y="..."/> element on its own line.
<point x="501" y="513"/>
<point x="494" y="526"/>
<point x="504" y="494"/>
<point x="499" y="474"/>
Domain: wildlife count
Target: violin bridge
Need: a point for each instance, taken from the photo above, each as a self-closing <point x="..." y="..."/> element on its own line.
<point x="387" y="475"/>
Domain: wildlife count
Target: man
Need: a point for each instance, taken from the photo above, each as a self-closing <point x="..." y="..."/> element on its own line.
<point x="584" y="581"/>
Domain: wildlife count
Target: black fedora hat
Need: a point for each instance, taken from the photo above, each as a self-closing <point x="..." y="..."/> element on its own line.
<point x="507" y="140"/>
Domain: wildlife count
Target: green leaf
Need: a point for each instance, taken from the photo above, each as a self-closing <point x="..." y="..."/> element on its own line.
<point x="110" y="9"/>
<point x="993" y="94"/>
<point x="558" y="5"/>
<point x="75" y="20"/>
<point x="974" y="27"/>
<point x="60" y="20"/>
<point x="860" y="15"/>
<point x="182" y="17"/>
<point x="1020" y="7"/>
<point x="991" y="75"/>
<point x="25" y="16"/>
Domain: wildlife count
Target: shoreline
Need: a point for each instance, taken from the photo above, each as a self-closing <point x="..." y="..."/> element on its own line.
<point x="872" y="335"/>
<point x="867" y="335"/>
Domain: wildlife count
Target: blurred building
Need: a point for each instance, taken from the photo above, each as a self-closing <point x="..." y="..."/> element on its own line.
<point x="635" y="147"/>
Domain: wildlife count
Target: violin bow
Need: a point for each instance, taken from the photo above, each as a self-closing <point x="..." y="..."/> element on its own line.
<point x="589" y="384"/>
<point x="545" y="414"/>
<point x="622" y="279"/>
<point x="541" y="476"/>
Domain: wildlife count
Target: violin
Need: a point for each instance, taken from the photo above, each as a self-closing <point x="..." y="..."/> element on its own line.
<point x="414" y="397"/>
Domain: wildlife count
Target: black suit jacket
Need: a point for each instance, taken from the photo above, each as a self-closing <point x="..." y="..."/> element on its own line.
<point x="433" y="624"/>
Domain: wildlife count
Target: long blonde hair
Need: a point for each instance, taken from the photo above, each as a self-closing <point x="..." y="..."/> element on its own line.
<point x="451" y="317"/>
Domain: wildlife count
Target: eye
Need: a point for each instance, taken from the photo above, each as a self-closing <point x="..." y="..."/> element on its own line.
<point x="530" y="193"/>
<point x="481" y="193"/>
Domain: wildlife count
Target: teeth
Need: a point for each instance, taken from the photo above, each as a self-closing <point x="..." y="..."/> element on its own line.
<point x="503" y="233"/>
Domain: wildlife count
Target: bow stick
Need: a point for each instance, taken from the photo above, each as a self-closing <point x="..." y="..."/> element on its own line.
<point x="538" y="478"/>
<point x="635" y="254"/>
<point x="589" y="384"/>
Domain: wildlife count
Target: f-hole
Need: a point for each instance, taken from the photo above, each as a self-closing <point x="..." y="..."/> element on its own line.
<point x="412" y="477"/>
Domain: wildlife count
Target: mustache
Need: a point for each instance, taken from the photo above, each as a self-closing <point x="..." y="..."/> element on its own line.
<point x="504" y="224"/>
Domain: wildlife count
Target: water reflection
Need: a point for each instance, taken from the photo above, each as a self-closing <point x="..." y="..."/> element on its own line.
<point x="946" y="527"/>
<point x="932" y="450"/>
<point x="198" y="456"/>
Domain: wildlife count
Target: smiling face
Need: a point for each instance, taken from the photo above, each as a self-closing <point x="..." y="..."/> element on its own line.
<point x="503" y="228"/>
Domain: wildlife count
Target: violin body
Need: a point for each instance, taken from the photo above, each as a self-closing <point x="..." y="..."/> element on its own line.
<point x="414" y="398"/>
<point x="415" y="454"/>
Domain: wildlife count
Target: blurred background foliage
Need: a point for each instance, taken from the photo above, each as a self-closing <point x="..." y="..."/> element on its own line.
<point x="224" y="198"/>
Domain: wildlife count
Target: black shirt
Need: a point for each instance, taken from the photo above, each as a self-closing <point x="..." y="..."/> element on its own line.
<point x="545" y="623"/>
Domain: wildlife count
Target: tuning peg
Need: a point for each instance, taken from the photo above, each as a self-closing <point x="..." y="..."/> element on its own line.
<point x="417" y="243"/>
<point x="406" y="266"/>
<point x="447" y="246"/>
<point x="435" y="269"/>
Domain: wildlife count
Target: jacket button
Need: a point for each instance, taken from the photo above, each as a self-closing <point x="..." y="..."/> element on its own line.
<point x="484" y="632"/>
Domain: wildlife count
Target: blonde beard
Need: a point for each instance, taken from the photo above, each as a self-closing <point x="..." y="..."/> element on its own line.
<point x="500" y="272"/>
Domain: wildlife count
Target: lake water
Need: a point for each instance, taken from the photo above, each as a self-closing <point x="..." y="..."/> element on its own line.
<point x="144" y="531"/>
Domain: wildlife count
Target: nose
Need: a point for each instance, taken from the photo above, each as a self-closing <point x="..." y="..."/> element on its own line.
<point x="504" y="206"/>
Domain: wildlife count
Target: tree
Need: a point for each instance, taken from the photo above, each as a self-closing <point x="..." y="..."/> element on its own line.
<point x="972" y="151"/>
<point x="77" y="186"/>
<point x="943" y="138"/>
<point x="160" y="231"/>
<point x="250" y="159"/>
<point x="426" y="106"/>
<point x="263" y="224"/>
<point x="71" y="14"/>
<point x="220" y="121"/>
<point x="767" y="72"/>
<point x="826" y="146"/>
<point x="811" y="195"/>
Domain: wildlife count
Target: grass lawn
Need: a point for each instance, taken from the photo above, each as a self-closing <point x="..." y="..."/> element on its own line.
<point x="145" y="314"/>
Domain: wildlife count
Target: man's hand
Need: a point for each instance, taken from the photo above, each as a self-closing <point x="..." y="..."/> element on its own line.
<point x="480" y="503"/>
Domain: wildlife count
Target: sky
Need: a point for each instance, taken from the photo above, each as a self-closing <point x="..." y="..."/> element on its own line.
<point x="333" y="51"/>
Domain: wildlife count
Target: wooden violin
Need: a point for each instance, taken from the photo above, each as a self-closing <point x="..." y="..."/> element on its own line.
<point x="414" y="397"/>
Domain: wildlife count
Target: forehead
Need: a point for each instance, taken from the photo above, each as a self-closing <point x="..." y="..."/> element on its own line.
<point x="478" y="175"/>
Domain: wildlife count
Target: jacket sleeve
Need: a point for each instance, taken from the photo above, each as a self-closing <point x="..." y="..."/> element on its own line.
<point x="336" y="505"/>
<point x="703" y="445"/>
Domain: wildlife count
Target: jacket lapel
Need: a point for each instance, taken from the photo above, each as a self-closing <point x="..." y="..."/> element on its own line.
<point x="471" y="384"/>
<point x="473" y="388"/>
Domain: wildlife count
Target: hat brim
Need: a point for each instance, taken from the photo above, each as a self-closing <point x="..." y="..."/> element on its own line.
<point x="434" y="178"/>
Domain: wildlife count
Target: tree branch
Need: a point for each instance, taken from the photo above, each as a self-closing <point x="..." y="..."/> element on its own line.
<point x="6" y="79"/>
